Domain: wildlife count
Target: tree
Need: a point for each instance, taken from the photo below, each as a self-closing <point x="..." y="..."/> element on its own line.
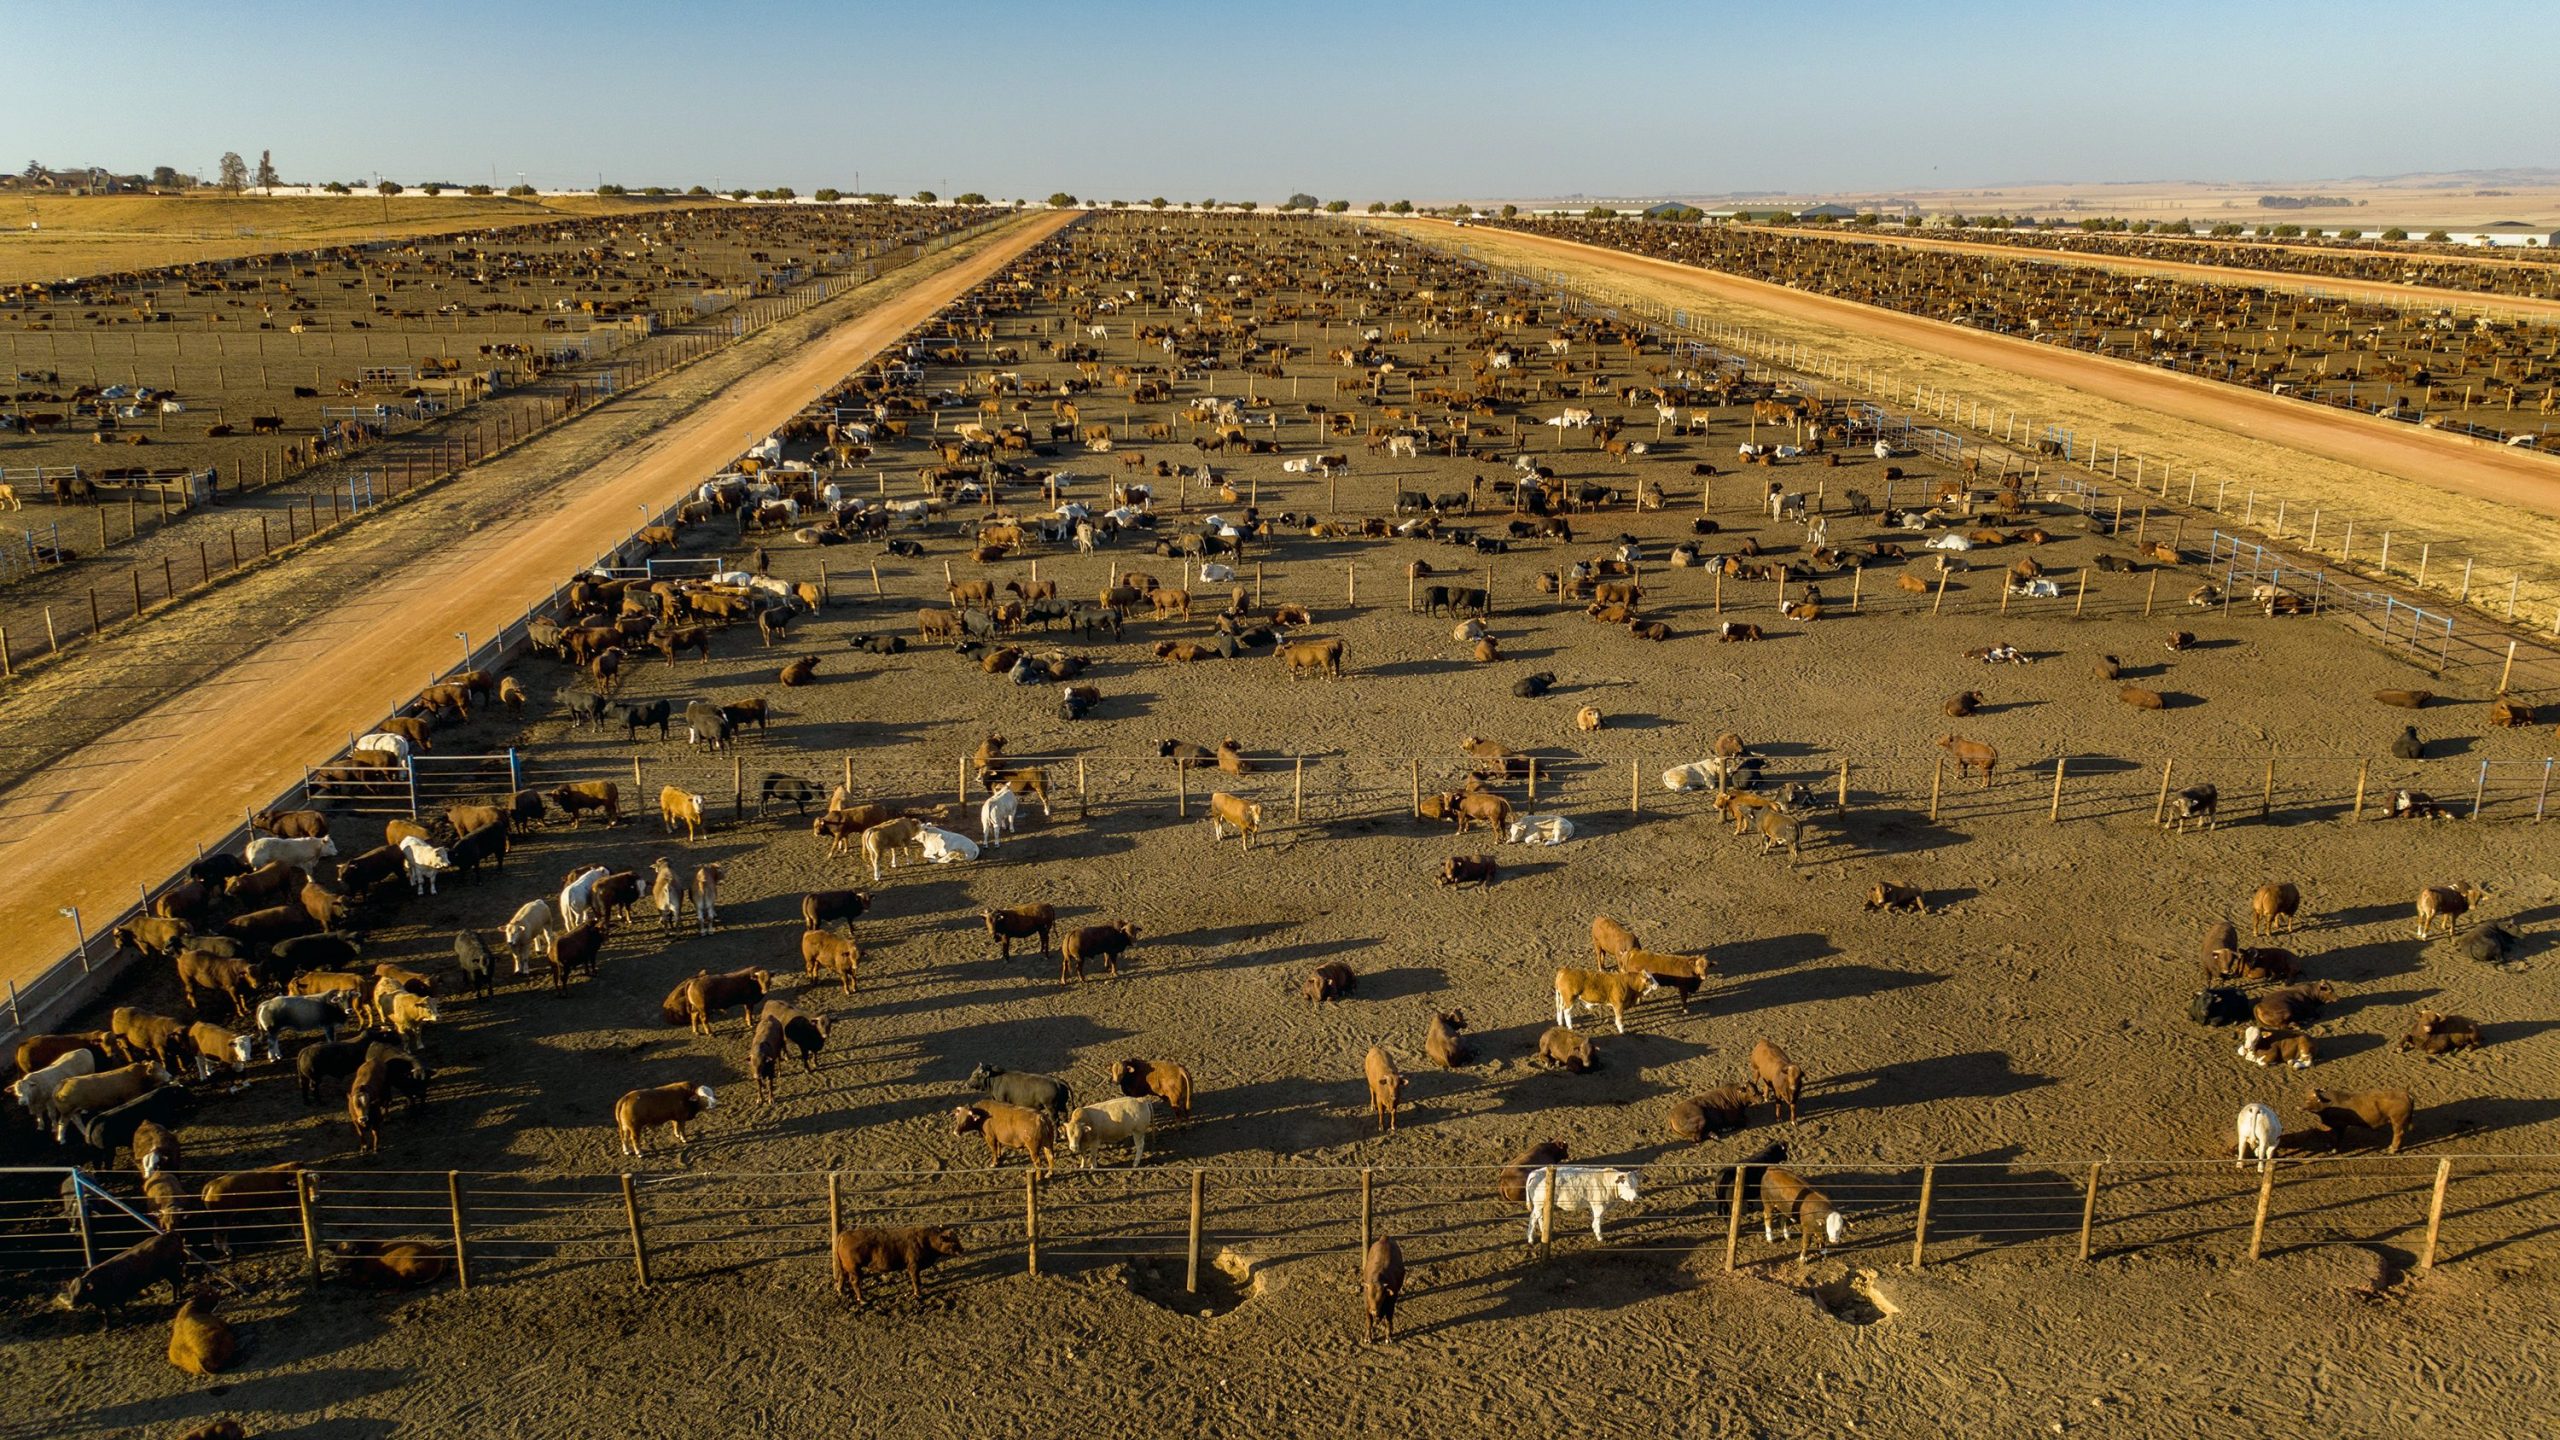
<point x="33" y="173"/>
<point x="1377" y="207"/>
<point x="2438" y="236"/>
<point x="267" y="177"/>
<point x="696" y="190"/>
<point x="926" y="197"/>
<point x="164" y="176"/>
<point x="1402" y="207"/>
<point x="785" y="192"/>
<point x="611" y="190"/>
<point x="234" y="172"/>
<point x="432" y="187"/>
<point x="1119" y="204"/>
<point x="2226" y="229"/>
<point x="969" y="198"/>
<point x="1510" y="212"/>
<point x="341" y="187"/>
<point x="1336" y="207"/>
<point x="477" y="190"/>
<point x="740" y="193"/>
<point x="2395" y="233"/>
<point x="2350" y="234"/>
<point x="387" y="187"/>
<point x="1158" y="203"/>
<point x="1248" y="204"/>
<point x="1300" y="201"/>
<point x="1208" y="204"/>
<point x="1061" y="200"/>
<point x="828" y="196"/>
<point x="520" y="191"/>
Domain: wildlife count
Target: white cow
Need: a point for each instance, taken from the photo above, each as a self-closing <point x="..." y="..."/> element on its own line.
<point x="1214" y="574"/>
<point x="424" y="860"/>
<point x="2259" y="1132"/>
<point x="1400" y="445"/>
<point x="1951" y="541"/>
<point x="1580" y="1187"/>
<point x="1540" y="830"/>
<point x="267" y="849"/>
<point x="385" y="741"/>
<point x="35" y="1090"/>
<point x="996" y="815"/>
<point x="944" y="846"/>
<point x="575" y="895"/>
<point x="533" y="926"/>
<point x="1883" y="451"/>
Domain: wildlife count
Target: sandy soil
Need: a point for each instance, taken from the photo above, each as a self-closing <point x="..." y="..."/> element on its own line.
<point x="379" y="644"/>
<point x="2490" y="504"/>
<point x="2036" y="1022"/>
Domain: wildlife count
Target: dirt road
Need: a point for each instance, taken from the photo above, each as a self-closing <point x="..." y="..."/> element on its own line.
<point x="2432" y="458"/>
<point x="239" y="735"/>
<point x="2425" y="295"/>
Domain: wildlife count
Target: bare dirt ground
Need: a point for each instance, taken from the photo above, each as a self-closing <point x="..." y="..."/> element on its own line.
<point x="209" y="684"/>
<point x="2035" y="1022"/>
<point x="2467" y="500"/>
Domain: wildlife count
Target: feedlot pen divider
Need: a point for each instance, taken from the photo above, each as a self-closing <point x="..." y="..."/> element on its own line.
<point x="56" y="1221"/>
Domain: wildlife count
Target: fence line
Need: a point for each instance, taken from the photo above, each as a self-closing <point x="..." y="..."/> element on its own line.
<point x="54" y="1221"/>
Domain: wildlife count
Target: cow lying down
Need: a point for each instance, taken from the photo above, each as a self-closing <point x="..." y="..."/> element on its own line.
<point x="1540" y="830"/>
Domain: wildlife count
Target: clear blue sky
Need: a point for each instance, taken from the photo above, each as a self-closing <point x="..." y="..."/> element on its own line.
<point x="1125" y="98"/>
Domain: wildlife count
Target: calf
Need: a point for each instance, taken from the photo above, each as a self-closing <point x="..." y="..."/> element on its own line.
<point x="2362" y="1109"/>
<point x="698" y="1000"/>
<point x="824" y="952"/>
<point x="1477" y="870"/>
<point x="1095" y="942"/>
<point x="1233" y="812"/>
<point x="1790" y="1204"/>
<point x="1597" y="990"/>
<point x="1970" y="755"/>
<point x="1720" y="1111"/>
<point x="2275" y="907"/>
<point x="1680" y="974"/>
<point x="673" y="1105"/>
<point x="1109" y="1122"/>
<point x="2198" y="804"/>
<point x="1386" y="1086"/>
<point x="603" y="797"/>
<point x="1890" y="897"/>
<point x="1565" y="1049"/>
<point x="882" y="1251"/>
<point x="2267" y="1047"/>
<point x="1010" y="1127"/>
<point x="2448" y="903"/>
<point x="1577" y="1187"/>
<point x="111" y="1284"/>
<point x="2438" y="1034"/>
<point x="1043" y="1093"/>
<point x="1446" y="1042"/>
<point x="1778" y="1078"/>
<point x="1163" y="1079"/>
<point x="2289" y="1008"/>
<point x="1511" y="1182"/>
<point x="1025" y="922"/>
<point x="1382" y="1284"/>
<point x="1329" y="981"/>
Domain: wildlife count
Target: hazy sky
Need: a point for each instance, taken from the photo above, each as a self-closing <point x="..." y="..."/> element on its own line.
<point x="1360" y="101"/>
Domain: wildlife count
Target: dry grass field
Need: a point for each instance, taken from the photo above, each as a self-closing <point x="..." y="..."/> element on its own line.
<point x="2035" y="1020"/>
<point x="51" y="237"/>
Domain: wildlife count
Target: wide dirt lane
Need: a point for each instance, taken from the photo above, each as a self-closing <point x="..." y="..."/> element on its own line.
<point x="2428" y="457"/>
<point x="189" y="767"/>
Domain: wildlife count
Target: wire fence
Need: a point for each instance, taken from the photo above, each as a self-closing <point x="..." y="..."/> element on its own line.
<point x="497" y="1226"/>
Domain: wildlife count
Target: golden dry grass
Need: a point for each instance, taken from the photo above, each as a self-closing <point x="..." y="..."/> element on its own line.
<point x="82" y="235"/>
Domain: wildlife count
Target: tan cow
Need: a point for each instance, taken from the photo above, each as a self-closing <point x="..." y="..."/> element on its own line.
<point x="1307" y="655"/>
<point x="1233" y="812"/>
<point x="677" y="805"/>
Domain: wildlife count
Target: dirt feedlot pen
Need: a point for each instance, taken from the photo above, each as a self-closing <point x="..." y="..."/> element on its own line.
<point x="1224" y="939"/>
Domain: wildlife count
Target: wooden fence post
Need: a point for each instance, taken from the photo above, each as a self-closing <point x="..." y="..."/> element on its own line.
<point x="1635" y="788"/>
<point x="306" y="1194"/>
<point x="2267" y="795"/>
<point x="1182" y="790"/>
<point x="1547" y="1217"/>
<point x="2150" y="591"/>
<point x="2266" y="1193"/>
<point x="2082" y="598"/>
<point x="1937" y="781"/>
<point x="1297" y="789"/>
<point x="1733" y="1221"/>
<point x="1031" y="1220"/>
<point x="1920" y="1227"/>
<point x="1191" y="1275"/>
<point x="1942" y="592"/>
<point x="1415" y="767"/>
<point x="1368" y="1182"/>
<point x="2089" y="1208"/>
<point x="2053" y="814"/>
<point x="1857" y="577"/>
<point x="2435" y="1213"/>
<point x="1843" y="798"/>
<point x="2363" y="767"/>
<point x="461" y="1254"/>
<point x="639" y="1245"/>
<point x="1083" y="796"/>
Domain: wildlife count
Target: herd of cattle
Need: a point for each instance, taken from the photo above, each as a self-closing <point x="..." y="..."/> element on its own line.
<point x="265" y="944"/>
<point x="2409" y="362"/>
